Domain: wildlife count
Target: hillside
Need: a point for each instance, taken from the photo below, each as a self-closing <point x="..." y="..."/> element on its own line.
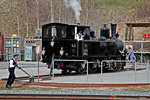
<point x="22" y="17"/>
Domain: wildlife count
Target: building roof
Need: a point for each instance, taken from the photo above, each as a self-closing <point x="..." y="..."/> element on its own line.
<point x="138" y="24"/>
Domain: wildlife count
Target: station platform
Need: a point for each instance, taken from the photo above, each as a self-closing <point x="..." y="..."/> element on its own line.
<point x="123" y="76"/>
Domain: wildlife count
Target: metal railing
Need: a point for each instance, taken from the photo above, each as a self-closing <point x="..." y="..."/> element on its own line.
<point x="6" y="56"/>
<point x="64" y="60"/>
<point x="109" y="61"/>
<point x="147" y="68"/>
<point x="140" y="52"/>
<point x="102" y="79"/>
<point x="101" y="65"/>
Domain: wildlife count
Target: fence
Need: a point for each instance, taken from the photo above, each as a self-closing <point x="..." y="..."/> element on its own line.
<point x="71" y="61"/>
<point x="140" y="48"/>
<point x="147" y="68"/>
<point x="127" y="76"/>
<point x="9" y="56"/>
<point x="120" y="61"/>
<point x="21" y="57"/>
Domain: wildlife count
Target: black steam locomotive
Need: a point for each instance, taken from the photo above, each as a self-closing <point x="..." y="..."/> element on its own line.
<point x="59" y="41"/>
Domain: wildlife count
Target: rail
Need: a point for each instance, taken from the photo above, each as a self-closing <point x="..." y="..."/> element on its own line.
<point x="69" y="97"/>
<point x="101" y="74"/>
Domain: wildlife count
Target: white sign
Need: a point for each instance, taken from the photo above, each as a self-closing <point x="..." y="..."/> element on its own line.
<point x="38" y="49"/>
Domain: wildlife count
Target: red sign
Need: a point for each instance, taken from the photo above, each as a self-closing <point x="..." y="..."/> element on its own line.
<point x="146" y="35"/>
<point x="2" y="44"/>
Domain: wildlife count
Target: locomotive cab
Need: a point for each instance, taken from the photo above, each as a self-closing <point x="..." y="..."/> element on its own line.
<point x="59" y="40"/>
<point x="63" y="31"/>
<point x="57" y="37"/>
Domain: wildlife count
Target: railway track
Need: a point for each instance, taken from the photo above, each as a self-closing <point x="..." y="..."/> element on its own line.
<point x="68" y="97"/>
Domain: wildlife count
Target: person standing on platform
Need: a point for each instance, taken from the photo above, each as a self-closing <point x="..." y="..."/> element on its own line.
<point x="131" y="56"/>
<point x="11" y="68"/>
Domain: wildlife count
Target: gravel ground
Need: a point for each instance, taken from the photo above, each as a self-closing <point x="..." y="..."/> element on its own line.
<point x="74" y="92"/>
<point x="118" y="91"/>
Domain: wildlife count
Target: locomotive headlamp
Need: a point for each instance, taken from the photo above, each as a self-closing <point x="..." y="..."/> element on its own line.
<point x="52" y="43"/>
<point x="43" y="51"/>
<point x="61" y="51"/>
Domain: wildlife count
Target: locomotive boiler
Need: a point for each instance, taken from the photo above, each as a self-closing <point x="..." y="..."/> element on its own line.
<point x="59" y="41"/>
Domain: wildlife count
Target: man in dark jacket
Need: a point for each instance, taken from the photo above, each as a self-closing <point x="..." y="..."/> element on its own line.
<point x="11" y="68"/>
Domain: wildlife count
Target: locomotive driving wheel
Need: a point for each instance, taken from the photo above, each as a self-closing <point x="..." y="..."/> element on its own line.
<point x="67" y="69"/>
<point x="116" y="66"/>
<point x="92" y="68"/>
<point x="80" y="68"/>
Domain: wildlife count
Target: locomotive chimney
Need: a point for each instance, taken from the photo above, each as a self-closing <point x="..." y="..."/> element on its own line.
<point x="113" y="30"/>
<point x="78" y="22"/>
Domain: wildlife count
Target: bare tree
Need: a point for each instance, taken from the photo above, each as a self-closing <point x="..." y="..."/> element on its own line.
<point x="52" y="12"/>
<point x="38" y="22"/>
<point x="87" y="12"/>
<point x="60" y="7"/>
<point x="27" y="20"/>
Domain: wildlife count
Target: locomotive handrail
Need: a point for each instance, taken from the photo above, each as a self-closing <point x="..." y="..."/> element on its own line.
<point x="147" y="68"/>
<point x="70" y="60"/>
<point x="91" y="62"/>
<point x="101" y="75"/>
